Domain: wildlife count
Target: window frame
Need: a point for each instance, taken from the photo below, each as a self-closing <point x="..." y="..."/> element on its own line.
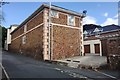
<point x="85" y="35"/>
<point x="69" y="19"/>
<point x="55" y="16"/>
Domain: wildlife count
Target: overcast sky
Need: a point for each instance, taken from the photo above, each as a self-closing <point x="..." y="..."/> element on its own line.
<point x="101" y="13"/>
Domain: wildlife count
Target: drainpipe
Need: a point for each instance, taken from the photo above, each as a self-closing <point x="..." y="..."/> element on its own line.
<point x="82" y="47"/>
<point x="49" y="26"/>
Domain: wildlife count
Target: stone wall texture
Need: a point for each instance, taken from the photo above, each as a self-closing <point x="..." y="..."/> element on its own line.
<point x="34" y="39"/>
<point x="111" y="46"/>
<point x="65" y="41"/>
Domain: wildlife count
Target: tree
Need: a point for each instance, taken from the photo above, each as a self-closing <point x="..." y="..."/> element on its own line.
<point x="3" y="30"/>
<point x="1" y="12"/>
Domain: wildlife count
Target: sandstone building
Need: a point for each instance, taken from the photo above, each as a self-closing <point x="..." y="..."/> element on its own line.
<point x="50" y="33"/>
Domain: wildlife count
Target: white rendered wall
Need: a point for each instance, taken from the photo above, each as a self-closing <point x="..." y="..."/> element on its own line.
<point x="9" y="30"/>
<point x="92" y="47"/>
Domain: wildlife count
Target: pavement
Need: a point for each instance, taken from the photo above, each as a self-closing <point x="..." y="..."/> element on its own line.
<point x="18" y="66"/>
<point x="89" y="61"/>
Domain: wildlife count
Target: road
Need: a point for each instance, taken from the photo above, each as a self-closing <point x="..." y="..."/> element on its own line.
<point x="18" y="66"/>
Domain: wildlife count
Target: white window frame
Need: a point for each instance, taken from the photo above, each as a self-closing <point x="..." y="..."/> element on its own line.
<point x="73" y="20"/>
<point x="24" y="40"/>
<point x="56" y="16"/>
<point x="25" y="28"/>
<point x="97" y="34"/>
<point x="85" y="34"/>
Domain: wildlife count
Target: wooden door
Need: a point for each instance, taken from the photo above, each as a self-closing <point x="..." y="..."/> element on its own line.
<point x="86" y="48"/>
<point x="97" y="48"/>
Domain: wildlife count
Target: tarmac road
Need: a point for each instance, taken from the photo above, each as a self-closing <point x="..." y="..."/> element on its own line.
<point x="18" y="66"/>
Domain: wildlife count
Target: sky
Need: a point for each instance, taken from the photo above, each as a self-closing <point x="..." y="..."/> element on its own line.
<point x="100" y="13"/>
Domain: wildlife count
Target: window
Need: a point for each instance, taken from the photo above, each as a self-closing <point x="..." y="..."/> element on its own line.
<point x="54" y="13"/>
<point x="25" y="28"/>
<point x="85" y="34"/>
<point x="24" y="40"/>
<point x="70" y="20"/>
<point x="97" y="32"/>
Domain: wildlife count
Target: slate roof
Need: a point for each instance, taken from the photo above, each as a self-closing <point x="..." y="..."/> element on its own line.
<point x="110" y="27"/>
<point x="90" y="28"/>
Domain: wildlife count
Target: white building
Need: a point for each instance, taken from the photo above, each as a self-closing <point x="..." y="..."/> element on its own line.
<point x="8" y="40"/>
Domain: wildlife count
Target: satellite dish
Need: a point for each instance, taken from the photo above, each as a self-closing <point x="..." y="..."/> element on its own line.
<point x="85" y="11"/>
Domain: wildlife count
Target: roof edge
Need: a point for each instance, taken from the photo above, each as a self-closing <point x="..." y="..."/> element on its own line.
<point x="47" y="6"/>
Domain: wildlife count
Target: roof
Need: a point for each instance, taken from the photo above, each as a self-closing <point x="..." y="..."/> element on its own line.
<point x="103" y="29"/>
<point x="14" y="25"/>
<point x="110" y="27"/>
<point x="63" y="9"/>
<point x="47" y="6"/>
<point x="90" y="26"/>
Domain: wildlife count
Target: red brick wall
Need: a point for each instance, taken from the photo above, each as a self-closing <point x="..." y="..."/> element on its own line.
<point x="33" y="46"/>
<point x="63" y="19"/>
<point x="34" y="39"/>
<point x="30" y="24"/>
<point x="77" y="22"/>
<point x="66" y="42"/>
<point x="111" y="46"/>
<point x="18" y="32"/>
<point x="35" y="21"/>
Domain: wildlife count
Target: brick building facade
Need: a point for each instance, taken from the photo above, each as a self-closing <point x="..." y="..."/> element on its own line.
<point x="111" y="45"/>
<point x="49" y="33"/>
<point x="101" y="40"/>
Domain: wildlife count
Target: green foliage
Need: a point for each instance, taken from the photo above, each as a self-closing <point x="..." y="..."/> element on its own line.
<point x="3" y="35"/>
